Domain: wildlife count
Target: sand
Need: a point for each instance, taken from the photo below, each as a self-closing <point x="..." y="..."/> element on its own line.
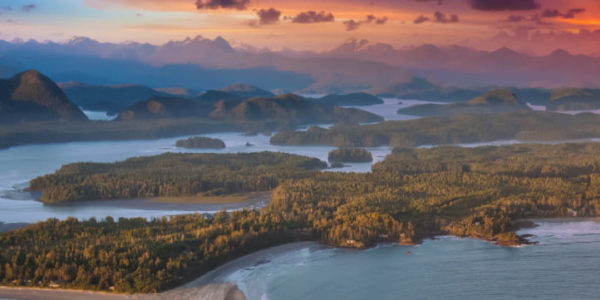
<point x="221" y="291"/>
<point x="211" y="286"/>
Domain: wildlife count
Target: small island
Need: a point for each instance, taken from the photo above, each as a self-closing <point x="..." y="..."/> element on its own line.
<point x="200" y="142"/>
<point x="350" y="155"/>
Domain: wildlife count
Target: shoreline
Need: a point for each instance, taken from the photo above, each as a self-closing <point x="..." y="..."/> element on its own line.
<point x="258" y="200"/>
<point x="216" y="291"/>
<point x="214" y="284"/>
<point x="250" y="260"/>
<point x="210" y="286"/>
<point x="5" y="227"/>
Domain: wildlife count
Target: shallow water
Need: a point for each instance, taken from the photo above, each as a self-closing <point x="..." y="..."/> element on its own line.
<point x="564" y="265"/>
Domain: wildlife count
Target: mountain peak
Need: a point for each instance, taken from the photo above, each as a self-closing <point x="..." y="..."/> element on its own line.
<point x="222" y="43"/>
<point x="81" y="40"/>
<point x="32" y="96"/>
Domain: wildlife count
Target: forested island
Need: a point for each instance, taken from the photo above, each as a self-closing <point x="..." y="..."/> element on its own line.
<point x="200" y="142"/>
<point x="529" y="125"/>
<point x="494" y="101"/>
<point x="173" y="175"/>
<point x="411" y="195"/>
<point x="343" y="155"/>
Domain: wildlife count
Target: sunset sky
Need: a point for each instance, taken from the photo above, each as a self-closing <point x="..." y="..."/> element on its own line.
<point x="537" y="26"/>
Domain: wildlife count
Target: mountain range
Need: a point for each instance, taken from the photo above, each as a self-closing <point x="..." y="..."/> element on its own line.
<point x="200" y="63"/>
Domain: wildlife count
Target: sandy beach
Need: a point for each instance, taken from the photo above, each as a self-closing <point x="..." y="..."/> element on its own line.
<point x="211" y="286"/>
<point x="221" y="291"/>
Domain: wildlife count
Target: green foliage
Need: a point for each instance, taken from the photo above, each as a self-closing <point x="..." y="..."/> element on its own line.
<point x="173" y="175"/>
<point x="200" y="142"/>
<point x="134" y="255"/>
<point x="350" y="155"/>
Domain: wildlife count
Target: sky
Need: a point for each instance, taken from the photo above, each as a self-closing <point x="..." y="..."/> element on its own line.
<point x="534" y="26"/>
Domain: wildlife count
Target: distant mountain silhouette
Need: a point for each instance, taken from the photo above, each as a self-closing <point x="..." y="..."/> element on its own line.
<point x="462" y="66"/>
<point x="31" y="96"/>
<point x="112" y="98"/>
<point x="353" y="99"/>
<point x="423" y="89"/>
<point x="357" y="65"/>
<point x="164" y="107"/>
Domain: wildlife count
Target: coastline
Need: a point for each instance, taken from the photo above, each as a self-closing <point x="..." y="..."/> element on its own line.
<point x="210" y="286"/>
<point x="257" y="201"/>
<point x="253" y="259"/>
<point x="4" y="227"/>
<point x="214" y="285"/>
<point x="224" y="291"/>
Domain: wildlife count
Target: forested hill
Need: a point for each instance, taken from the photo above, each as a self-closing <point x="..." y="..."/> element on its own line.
<point x="31" y="96"/>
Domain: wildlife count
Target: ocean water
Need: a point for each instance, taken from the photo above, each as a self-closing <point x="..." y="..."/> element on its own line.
<point x="563" y="265"/>
<point x="20" y="164"/>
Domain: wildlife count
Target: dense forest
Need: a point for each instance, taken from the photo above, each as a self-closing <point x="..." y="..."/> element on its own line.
<point x="200" y="142"/>
<point x="350" y="155"/>
<point x="412" y="194"/>
<point x="173" y="175"/>
<point x="533" y="126"/>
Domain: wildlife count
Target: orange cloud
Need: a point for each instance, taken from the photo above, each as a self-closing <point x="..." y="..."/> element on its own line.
<point x="583" y="22"/>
